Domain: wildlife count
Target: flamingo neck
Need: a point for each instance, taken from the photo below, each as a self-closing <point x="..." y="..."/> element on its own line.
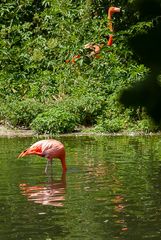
<point x="63" y="162"/>
<point x="112" y="10"/>
<point x="110" y="41"/>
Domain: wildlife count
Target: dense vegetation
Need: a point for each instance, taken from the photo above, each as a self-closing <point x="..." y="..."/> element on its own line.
<point x="43" y="89"/>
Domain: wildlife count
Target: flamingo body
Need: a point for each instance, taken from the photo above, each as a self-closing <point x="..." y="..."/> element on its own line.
<point x="49" y="149"/>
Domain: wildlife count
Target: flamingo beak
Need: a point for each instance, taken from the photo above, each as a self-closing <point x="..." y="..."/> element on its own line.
<point x="116" y="9"/>
<point x="24" y="153"/>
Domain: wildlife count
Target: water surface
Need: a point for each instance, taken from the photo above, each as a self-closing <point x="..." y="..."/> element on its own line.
<point x="112" y="190"/>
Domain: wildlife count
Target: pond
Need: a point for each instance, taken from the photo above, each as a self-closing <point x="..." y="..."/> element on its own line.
<point x="112" y="190"/>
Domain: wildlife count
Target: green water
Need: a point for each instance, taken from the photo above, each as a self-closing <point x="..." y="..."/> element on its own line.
<point x="112" y="190"/>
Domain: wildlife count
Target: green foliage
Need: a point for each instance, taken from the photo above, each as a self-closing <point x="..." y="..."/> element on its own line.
<point x="55" y="120"/>
<point x="85" y="107"/>
<point x="20" y="113"/>
<point x="38" y="38"/>
<point x="66" y="115"/>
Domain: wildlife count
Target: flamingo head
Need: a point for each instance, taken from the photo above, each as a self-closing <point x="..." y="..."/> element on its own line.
<point x="112" y="10"/>
<point x="31" y="151"/>
<point x="22" y="154"/>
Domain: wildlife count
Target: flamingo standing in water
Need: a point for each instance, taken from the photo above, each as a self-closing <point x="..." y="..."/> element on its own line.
<point x="49" y="149"/>
<point x="111" y="10"/>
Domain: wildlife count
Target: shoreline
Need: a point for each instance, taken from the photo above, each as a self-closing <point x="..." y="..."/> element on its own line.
<point x="9" y="132"/>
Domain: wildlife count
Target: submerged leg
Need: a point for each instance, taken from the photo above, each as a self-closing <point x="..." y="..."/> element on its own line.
<point x="46" y="168"/>
<point x="47" y="164"/>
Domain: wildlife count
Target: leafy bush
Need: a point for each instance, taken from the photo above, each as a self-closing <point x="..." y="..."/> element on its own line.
<point x="67" y="114"/>
<point x="112" y="125"/>
<point x="114" y="120"/>
<point x="145" y="125"/>
<point x="85" y="107"/>
<point x="21" y="113"/>
<point x="55" y="120"/>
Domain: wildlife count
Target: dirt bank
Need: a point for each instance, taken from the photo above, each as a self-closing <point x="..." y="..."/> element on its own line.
<point x="9" y="132"/>
<point x="6" y="132"/>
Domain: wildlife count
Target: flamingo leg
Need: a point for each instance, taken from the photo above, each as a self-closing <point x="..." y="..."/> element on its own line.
<point x="47" y="165"/>
<point x="46" y="168"/>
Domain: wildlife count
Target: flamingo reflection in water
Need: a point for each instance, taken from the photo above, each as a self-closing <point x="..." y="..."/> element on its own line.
<point x="49" y="193"/>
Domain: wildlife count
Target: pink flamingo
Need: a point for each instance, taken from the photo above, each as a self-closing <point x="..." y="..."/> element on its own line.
<point x="49" y="149"/>
<point x="111" y="10"/>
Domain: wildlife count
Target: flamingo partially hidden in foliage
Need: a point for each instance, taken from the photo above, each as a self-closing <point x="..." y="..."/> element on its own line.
<point x="111" y="11"/>
<point x="49" y="149"/>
